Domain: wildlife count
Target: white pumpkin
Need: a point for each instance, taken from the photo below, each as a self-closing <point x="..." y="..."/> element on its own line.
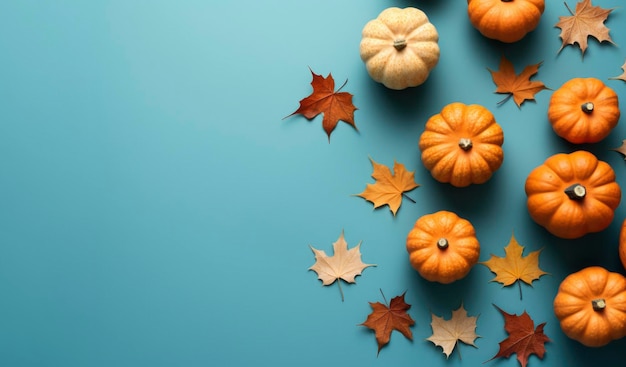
<point x="400" y="47"/>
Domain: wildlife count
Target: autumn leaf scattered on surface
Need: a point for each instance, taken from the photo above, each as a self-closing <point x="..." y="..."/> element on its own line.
<point x="520" y="87"/>
<point x="513" y="267"/>
<point x="523" y="338"/>
<point x="588" y="20"/>
<point x="388" y="317"/>
<point x="389" y="187"/>
<point x="623" y="75"/>
<point x="622" y="149"/>
<point x="343" y="264"/>
<point x="446" y="333"/>
<point x="335" y="105"/>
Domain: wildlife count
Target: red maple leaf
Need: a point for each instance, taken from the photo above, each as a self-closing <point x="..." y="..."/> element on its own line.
<point x="524" y="339"/>
<point x="335" y="105"/>
<point x="384" y="319"/>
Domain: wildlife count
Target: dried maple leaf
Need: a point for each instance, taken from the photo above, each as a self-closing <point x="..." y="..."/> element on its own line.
<point x="523" y="338"/>
<point x="520" y="87"/>
<point x="588" y="20"/>
<point x="336" y="106"/>
<point x="623" y="75"/>
<point x="386" y="318"/>
<point x="513" y="267"/>
<point x="622" y="149"/>
<point x="343" y="264"/>
<point x="446" y="333"/>
<point x="389" y="187"/>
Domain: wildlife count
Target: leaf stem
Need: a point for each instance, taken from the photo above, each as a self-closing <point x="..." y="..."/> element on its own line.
<point x="519" y="285"/>
<point x="340" y="289"/>
<point x="343" y="85"/>
<point x="385" y="299"/>
<point x="408" y="197"/>
<point x="568" y="8"/>
<point x="506" y="99"/>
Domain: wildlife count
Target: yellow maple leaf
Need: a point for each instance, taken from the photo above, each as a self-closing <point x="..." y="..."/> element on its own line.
<point x="513" y="267"/>
<point x="389" y="187"/>
<point x="447" y="333"/>
<point x="344" y="264"/>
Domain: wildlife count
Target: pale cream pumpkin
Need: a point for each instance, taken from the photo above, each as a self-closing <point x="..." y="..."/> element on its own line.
<point x="400" y="47"/>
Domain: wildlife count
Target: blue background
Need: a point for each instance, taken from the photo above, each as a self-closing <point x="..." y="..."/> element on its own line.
<point x="156" y="209"/>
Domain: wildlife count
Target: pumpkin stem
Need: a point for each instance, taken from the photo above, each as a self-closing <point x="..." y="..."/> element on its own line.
<point x="576" y="191"/>
<point x="465" y="144"/>
<point x="598" y="304"/>
<point x="506" y="1"/>
<point x="442" y="243"/>
<point x="587" y="107"/>
<point x="399" y="44"/>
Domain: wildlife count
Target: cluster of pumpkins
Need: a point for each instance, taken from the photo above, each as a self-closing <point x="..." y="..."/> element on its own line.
<point x="570" y="195"/>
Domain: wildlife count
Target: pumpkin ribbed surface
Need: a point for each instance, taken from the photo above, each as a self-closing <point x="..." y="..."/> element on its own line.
<point x="442" y="247"/>
<point x="400" y="47"/>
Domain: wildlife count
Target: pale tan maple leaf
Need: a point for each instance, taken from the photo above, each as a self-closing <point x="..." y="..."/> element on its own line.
<point x="389" y="187"/>
<point x="447" y="333"/>
<point x="623" y="75"/>
<point x="513" y="267"/>
<point x="344" y="264"/>
<point x="586" y="21"/>
<point x="621" y="149"/>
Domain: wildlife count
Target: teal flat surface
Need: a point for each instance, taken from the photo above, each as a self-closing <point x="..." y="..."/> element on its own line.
<point x="157" y="210"/>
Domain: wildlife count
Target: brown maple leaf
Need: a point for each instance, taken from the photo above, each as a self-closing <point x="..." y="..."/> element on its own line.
<point x="523" y="338"/>
<point x="587" y="21"/>
<point x="335" y="105"/>
<point x="513" y="267"/>
<point x="343" y="264"/>
<point x="623" y="75"/>
<point x="389" y="187"/>
<point x="386" y="318"/>
<point x="622" y="149"/>
<point x="447" y="333"/>
<point x="520" y="87"/>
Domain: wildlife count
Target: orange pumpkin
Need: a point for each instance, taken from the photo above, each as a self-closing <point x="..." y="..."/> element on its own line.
<point x="583" y="110"/>
<point x="572" y="194"/>
<point x="505" y="20"/>
<point x="462" y="145"/>
<point x="622" y="244"/>
<point x="442" y="247"/>
<point x="591" y="306"/>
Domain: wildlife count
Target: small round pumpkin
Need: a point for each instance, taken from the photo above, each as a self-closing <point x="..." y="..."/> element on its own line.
<point x="400" y="47"/>
<point x="591" y="306"/>
<point x="622" y="244"/>
<point x="442" y="247"/>
<point x="583" y="110"/>
<point x="462" y="145"/>
<point x="505" y="20"/>
<point x="572" y="194"/>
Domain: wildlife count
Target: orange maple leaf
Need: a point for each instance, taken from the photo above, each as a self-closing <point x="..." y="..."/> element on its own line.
<point x="344" y="264"/>
<point x="386" y="318"/>
<point x="523" y="338"/>
<point x="389" y="187"/>
<point x="335" y="105"/>
<point x="623" y="75"/>
<point x="588" y="20"/>
<point x="520" y="87"/>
